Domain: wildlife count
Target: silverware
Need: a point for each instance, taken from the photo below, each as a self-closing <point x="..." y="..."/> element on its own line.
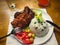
<point x="14" y="31"/>
<point x="53" y="24"/>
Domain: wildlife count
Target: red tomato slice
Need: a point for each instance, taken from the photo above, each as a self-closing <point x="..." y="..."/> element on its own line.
<point x="21" y="35"/>
<point x="27" y="36"/>
<point x="27" y="41"/>
<point x="20" y="38"/>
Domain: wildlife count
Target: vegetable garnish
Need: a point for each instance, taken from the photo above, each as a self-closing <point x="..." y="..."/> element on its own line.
<point x="38" y="15"/>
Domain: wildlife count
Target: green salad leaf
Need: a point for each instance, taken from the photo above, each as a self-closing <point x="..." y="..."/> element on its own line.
<point x="38" y="15"/>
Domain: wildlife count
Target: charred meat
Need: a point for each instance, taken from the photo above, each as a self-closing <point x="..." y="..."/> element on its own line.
<point x="23" y="19"/>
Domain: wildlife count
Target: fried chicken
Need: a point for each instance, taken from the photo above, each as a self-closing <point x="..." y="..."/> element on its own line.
<point x="23" y="19"/>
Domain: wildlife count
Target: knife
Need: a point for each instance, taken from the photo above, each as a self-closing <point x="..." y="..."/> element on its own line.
<point x="53" y="24"/>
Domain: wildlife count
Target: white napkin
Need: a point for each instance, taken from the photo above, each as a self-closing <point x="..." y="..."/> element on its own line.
<point x="13" y="41"/>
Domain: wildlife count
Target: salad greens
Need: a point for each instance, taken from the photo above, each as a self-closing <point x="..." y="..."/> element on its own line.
<point x="38" y="15"/>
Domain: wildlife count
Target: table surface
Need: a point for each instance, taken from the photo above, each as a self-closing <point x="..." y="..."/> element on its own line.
<point x="53" y="10"/>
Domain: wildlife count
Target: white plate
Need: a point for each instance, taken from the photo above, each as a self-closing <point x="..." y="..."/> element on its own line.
<point x="40" y="40"/>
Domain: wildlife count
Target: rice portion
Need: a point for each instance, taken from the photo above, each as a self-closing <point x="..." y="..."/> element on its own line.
<point x="39" y="29"/>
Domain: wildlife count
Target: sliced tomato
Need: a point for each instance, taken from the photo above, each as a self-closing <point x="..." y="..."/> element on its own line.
<point x="27" y="41"/>
<point x="21" y="35"/>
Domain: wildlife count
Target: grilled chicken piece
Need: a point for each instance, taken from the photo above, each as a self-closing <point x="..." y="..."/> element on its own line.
<point x="23" y="19"/>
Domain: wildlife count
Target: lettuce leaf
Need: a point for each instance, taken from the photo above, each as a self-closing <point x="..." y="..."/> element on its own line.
<point x="38" y="15"/>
